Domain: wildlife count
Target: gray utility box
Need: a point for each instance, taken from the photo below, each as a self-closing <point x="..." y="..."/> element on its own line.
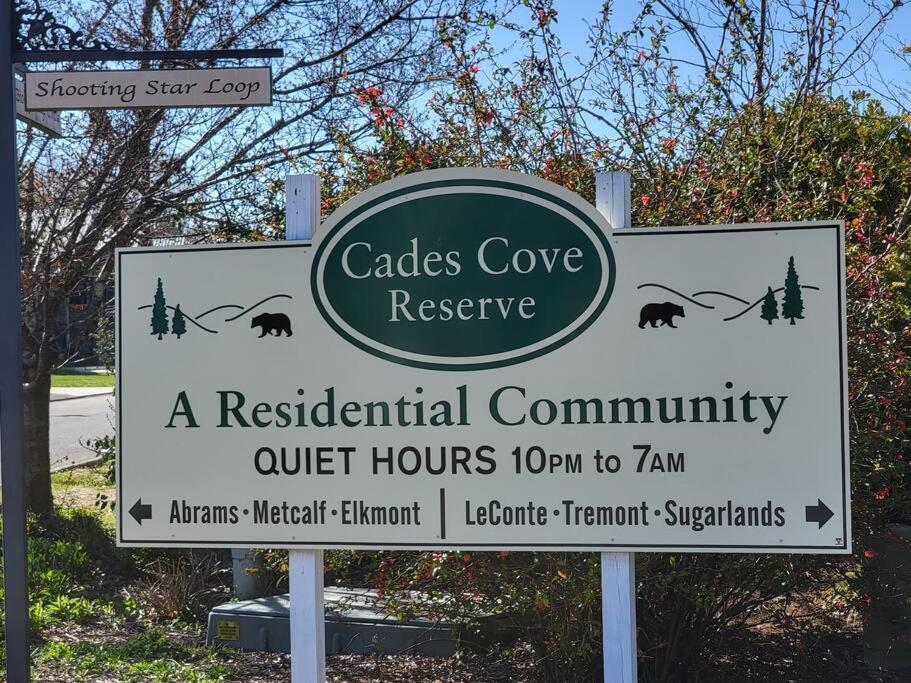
<point x="354" y="625"/>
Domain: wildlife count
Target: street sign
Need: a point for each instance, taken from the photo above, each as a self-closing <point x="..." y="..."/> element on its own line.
<point x="137" y="89"/>
<point x="49" y="122"/>
<point x="473" y="359"/>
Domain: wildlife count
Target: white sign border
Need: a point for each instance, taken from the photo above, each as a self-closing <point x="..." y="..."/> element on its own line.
<point x="843" y="548"/>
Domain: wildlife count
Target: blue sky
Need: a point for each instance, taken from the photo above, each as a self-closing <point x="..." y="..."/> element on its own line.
<point x="887" y="67"/>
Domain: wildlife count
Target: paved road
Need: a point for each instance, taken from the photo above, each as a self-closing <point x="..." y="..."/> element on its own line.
<point x="75" y="420"/>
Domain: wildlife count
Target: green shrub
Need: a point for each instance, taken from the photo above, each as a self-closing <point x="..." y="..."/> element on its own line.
<point x="181" y="587"/>
<point x="68" y="557"/>
<point x="85" y="526"/>
<point x="799" y="159"/>
<point x="105" y="448"/>
<point x="68" y="552"/>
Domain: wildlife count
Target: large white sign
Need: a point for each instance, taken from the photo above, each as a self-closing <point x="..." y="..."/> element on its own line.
<point x="472" y="359"/>
<point x="137" y="89"/>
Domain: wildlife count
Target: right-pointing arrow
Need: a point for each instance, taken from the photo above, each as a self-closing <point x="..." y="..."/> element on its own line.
<point x="819" y="513"/>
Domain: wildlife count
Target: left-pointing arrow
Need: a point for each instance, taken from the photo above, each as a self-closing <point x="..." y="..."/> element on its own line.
<point x="140" y="511"/>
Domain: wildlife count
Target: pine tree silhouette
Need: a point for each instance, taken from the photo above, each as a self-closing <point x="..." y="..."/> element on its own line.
<point x="159" y="313"/>
<point x="179" y="323"/>
<point x="769" y="307"/>
<point x="792" y="305"/>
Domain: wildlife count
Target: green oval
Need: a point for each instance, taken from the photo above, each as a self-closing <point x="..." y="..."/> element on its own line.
<point x="463" y="269"/>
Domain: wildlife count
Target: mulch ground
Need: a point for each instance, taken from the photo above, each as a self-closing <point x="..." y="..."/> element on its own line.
<point x="835" y="657"/>
<point x="265" y="667"/>
<point x="259" y="667"/>
<point x="830" y="652"/>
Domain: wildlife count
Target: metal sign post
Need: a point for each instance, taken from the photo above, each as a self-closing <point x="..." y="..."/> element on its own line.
<point x="11" y="425"/>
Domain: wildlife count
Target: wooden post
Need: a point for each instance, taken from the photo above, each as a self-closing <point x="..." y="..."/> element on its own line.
<point x="618" y="570"/>
<point x="305" y="567"/>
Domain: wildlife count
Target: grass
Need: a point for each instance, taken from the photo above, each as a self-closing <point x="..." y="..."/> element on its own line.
<point x="69" y="378"/>
<point x="84" y="487"/>
<point x="81" y="477"/>
<point x="153" y="655"/>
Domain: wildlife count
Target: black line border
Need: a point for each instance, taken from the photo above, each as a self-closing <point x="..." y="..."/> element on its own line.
<point x="843" y="548"/>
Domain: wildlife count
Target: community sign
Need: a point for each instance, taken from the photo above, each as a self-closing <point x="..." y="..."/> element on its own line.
<point x="472" y="358"/>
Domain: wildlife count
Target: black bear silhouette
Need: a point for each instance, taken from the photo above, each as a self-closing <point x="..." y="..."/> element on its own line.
<point x="272" y="322"/>
<point x="663" y="313"/>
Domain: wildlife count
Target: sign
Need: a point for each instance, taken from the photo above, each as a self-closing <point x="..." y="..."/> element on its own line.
<point x="227" y="630"/>
<point x="48" y="122"/>
<point x="473" y="359"/>
<point x="138" y="89"/>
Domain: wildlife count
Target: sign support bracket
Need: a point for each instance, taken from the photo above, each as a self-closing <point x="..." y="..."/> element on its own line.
<point x="618" y="570"/>
<point x="111" y="55"/>
<point x="305" y="567"/>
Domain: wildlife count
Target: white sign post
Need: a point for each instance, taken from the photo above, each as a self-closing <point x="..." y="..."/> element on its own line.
<point x="618" y="570"/>
<point x="305" y="567"/>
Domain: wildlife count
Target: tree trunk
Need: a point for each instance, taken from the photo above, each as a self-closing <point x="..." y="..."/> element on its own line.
<point x="36" y="399"/>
